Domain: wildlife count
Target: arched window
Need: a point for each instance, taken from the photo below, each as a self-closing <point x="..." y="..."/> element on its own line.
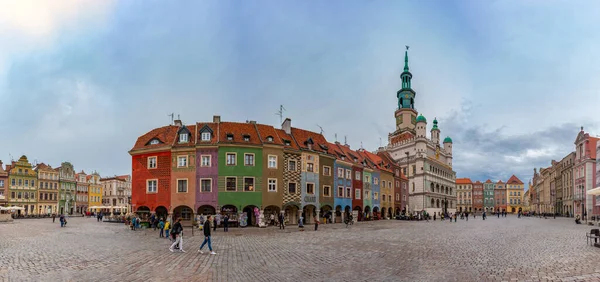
<point x="432" y="189"/>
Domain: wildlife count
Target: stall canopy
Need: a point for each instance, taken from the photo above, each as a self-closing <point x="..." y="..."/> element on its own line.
<point x="10" y="208"/>
<point x="595" y="191"/>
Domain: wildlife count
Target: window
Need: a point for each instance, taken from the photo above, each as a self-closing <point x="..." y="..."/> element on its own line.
<point x="181" y="185"/>
<point x="248" y="159"/>
<point x="383" y="183"/>
<point x="376" y="196"/>
<point x="272" y="161"/>
<point x="230" y="184"/>
<point x="13" y="182"/>
<point x="367" y="178"/>
<point x="397" y="197"/>
<point x="326" y="191"/>
<point x="154" y="142"/>
<point x="326" y="171"/>
<point x="310" y="188"/>
<point x="348" y="193"/>
<point x="151" y="186"/>
<point x="248" y="184"/>
<point x="186" y="213"/>
<point x="366" y="194"/>
<point x="2" y="183"/>
<point x="310" y="167"/>
<point x="183" y="138"/>
<point x="270" y="139"/>
<point x="292" y="165"/>
<point x="26" y="183"/>
<point x="357" y="176"/>
<point x="340" y="192"/>
<point x="205" y="185"/>
<point x="230" y="158"/>
<point x="20" y="182"/>
<point x="292" y="188"/>
<point x="357" y="194"/>
<point x="182" y="161"/>
<point x="375" y="180"/>
<point x="348" y="174"/>
<point x="389" y="198"/>
<point x="340" y="172"/>
<point x="152" y="162"/>
<point x="390" y="184"/>
<point x="205" y="136"/>
<point x="272" y="185"/>
<point x="247" y="138"/>
<point x="205" y="161"/>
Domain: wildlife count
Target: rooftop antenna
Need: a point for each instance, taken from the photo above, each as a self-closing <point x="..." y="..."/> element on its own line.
<point x="178" y="117"/>
<point x="280" y="113"/>
<point x="11" y="157"/>
<point x="321" y="129"/>
<point x="335" y="137"/>
<point x="361" y="145"/>
<point x="172" y="115"/>
<point x="379" y="141"/>
<point x="345" y="140"/>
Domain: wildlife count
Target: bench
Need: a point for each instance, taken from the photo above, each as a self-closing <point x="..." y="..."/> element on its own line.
<point x="594" y="234"/>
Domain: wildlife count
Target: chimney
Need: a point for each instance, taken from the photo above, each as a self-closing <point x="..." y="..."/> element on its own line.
<point x="216" y="119"/>
<point x="287" y="126"/>
<point x="178" y="122"/>
<point x="252" y="122"/>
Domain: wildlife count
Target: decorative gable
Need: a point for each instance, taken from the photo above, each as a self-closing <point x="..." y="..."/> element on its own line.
<point x="183" y="135"/>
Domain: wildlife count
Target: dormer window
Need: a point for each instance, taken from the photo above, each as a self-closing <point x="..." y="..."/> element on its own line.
<point x="270" y="138"/>
<point x="287" y="143"/>
<point x="183" y="138"/>
<point x="205" y="136"/>
<point x="229" y="137"/>
<point x="246" y="138"/>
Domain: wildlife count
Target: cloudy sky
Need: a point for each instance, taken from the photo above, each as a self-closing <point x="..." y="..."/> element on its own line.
<point x="510" y="81"/>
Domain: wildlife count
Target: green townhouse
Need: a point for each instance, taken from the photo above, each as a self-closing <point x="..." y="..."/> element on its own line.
<point x="66" y="191"/>
<point x="240" y="161"/>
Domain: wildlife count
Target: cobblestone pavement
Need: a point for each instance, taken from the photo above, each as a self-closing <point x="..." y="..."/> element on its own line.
<point x="505" y="249"/>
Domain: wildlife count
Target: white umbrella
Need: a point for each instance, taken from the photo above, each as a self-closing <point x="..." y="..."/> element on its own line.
<point x="595" y="191"/>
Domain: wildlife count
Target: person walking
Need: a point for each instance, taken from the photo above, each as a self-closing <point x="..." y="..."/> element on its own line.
<point x="167" y="228"/>
<point x="467" y="216"/>
<point x="498" y="213"/>
<point x="226" y="223"/>
<point x="206" y="230"/>
<point x="161" y="226"/>
<point x="62" y="220"/>
<point x="178" y="231"/>
<point x="316" y="219"/>
<point x="53" y="217"/>
<point x="272" y="219"/>
<point x="281" y="221"/>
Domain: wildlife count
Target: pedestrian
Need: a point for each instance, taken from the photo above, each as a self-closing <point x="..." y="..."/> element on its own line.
<point x="300" y="223"/>
<point x="133" y="223"/>
<point x="272" y="219"/>
<point x="498" y="213"/>
<point x="434" y="214"/>
<point x="161" y="226"/>
<point x="467" y="216"/>
<point x="178" y="231"/>
<point x="206" y="230"/>
<point x="455" y="216"/>
<point x="281" y="221"/>
<point x="226" y="223"/>
<point x="316" y="223"/>
<point x="53" y="217"/>
<point x="62" y="220"/>
<point x="167" y="228"/>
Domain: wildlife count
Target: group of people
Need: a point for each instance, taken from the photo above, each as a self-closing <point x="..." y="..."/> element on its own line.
<point x="177" y="235"/>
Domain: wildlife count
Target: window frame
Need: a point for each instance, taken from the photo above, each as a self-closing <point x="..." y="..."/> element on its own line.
<point x="327" y="188"/>
<point x="253" y="159"/>
<point x="149" y="162"/>
<point x="269" y="185"/>
<point x="311" y="165"/>
<point x="349" y="174"/>
<point x="253" y="183"/>
<point x="340" y="189"/>
<point x="348" y="192"/>
<point x="295" y="165"/>
<point x="326" y="169"/>
<point x="184" y="140"/>
<point x="181" y="157"/>
<point x="357" y="175"/>
<point x="313" y="188"/>
<point x="202" y="161"/>
<point x="210" y="185"/>
<point x="357" y="193"/>
<point x="148" y="186"/>
<point x="227" y="154"/>
<point x="203" y="134"/>
<point x="269" y="161"/>
<point x="295" y="188"/>
<point x="234" y="187"/>
<point x="186" y="185"/>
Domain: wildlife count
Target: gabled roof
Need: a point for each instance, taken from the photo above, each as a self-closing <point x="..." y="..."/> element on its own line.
<point x="335" y="150"/>
<point x="351" y="155"/>
<point x="166" y="135"/>
<point x="207" y="127"/>
<point x="374" y="160"/>
<point x="266" y="131"/>
<point x="488" y="181"/>
<point x="478" y="182"/>
<point x="463" y="181"/>
<point x="500" y="182"/>
<point x="238" y="131"/>
<point x="286" y="138"/>
<point x="514" y="180"/>
<point x="389" y="160"/>
<point x="304" y="138"/>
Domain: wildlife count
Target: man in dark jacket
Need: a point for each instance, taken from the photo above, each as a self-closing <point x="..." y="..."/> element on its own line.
<point x="206" y="229"/>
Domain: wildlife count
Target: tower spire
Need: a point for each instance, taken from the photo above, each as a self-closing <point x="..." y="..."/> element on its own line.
<point x="406" y="59"/>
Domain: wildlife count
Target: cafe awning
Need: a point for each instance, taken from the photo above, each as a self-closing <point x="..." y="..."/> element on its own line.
<point x="594" y="192"/>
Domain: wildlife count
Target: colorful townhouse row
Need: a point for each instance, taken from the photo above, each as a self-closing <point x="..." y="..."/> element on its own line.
<point x="42" y="189"/>
<point x="245" y="169"/>
<point x="565" y="186"/>
<point x="490" y="196"/>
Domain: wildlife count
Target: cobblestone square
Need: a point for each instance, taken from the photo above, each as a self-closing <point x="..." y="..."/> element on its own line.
<point x="505" y="249"/>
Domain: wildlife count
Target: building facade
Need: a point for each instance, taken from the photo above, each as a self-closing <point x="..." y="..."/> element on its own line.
<point x="22" y="189"/>
<point x="488" y="196"/>
<point x="464" y="190"/>
<point x="428" y="166"/>
<point x="207" y="167"/>
<point x="3" y="185"/>
<point x="67" y="184"/>
<point x="566" y="175"/>
<point x="81" y="195"/>
<point x="342" y="183"/>
<point x="515" y="190"/>
<point x="117" y="194"/>
<point x="183" y="172"/>
<point x="584" y="171"/>
<point x="478" y="197"/>
<point x="94" y="190"/>
<point x="48" y="185"/>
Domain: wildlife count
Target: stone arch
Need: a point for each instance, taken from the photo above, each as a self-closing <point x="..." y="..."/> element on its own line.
<point x="437" y="203"/>
<point x="432" y="187"/>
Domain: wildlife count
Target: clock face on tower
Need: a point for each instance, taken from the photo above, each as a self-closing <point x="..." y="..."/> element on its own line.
<point x="413" y="120"/>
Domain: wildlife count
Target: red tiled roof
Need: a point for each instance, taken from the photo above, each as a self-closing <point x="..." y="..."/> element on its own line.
<point x="191" y="140"/>
<point x="477" y="182"/>
<point x="165" y="134"/>
<point x="284" y="136"/>
<point x="214" y="138"/>
<point x="500" y="182"/>
<point x="350" y="154"/>
<point x="375" y="159"/>
<point x="265" y="131"/>
<point x="463" y="181"/>
<point x="488" y="181"/>
<point x="302" y="136"/>
<point x="514" y="180"/>
<point x="238" y="130"/>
